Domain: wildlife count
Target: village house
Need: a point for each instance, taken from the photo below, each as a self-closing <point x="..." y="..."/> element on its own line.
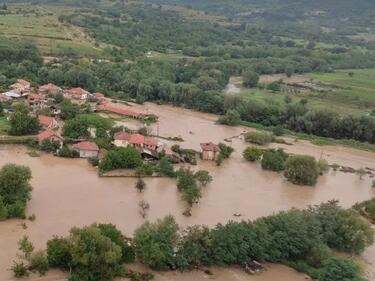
<point x="99" y="97"/>
<point x="48" y="122"/>
<point x="77" y="95"/>
<point x="50" y="89"/>
<point x="119" y="109"/>
<point x="49" y="135"/>
<point x="123" y="139"/>
<point x="21" y="86"/>
<point x="86" y="149"/>
<point x="36" y="101"/>
<point x="210" y="151"/>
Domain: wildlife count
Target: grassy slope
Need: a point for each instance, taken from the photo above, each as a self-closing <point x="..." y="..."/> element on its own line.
<point x="347" y="95"/>
<point x="40" y="24"/>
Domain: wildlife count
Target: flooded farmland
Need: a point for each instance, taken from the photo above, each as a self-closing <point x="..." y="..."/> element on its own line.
<point x="68" y="192"/>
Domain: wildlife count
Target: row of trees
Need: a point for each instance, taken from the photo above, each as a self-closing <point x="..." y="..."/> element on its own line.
<point x="302" y="238"/>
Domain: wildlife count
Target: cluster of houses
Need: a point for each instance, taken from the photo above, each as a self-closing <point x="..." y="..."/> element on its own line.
<point x="37" y="100"/>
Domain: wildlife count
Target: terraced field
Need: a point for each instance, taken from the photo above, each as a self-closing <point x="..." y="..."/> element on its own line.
<point x="40" y="25"/>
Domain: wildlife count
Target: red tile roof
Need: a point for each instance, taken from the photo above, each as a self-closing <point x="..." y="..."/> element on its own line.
<point x="77" y="92"/>
<point x="48" y="134"/>
<point x="121" y="110"/>
<point x="122" y="136"/>
<point x="46" y="120"/>
<point x="209" y="146"/>
<point x="86" y="145"/>
<point x="135" y="139"/>
<point x="99" y="95"/>
<point x="49" y="87"/>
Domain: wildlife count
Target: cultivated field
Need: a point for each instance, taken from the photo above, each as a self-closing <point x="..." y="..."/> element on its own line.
<point x="40" y="25"/>
<point x="344" y="91"/>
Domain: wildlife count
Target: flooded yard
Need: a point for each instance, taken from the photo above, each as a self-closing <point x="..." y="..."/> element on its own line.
<point x="68" y="192"/>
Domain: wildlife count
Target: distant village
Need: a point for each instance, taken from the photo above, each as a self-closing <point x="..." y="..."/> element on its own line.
<point x="52" y="125"/>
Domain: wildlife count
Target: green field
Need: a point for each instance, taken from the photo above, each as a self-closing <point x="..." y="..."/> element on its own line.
<point x="339" y="92"/>
<point x="40" y="25"/>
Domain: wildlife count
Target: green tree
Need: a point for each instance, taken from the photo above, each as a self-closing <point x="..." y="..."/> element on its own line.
<point x="21" y="123"/>
<point x="302" y="169"/>
<point x="187" y="184"/>
<point x="231" y="118"/>
<point x="15" y="189"/>
<point x="252" y="154"/>
<point x="203" y="177"/>
<point x="121" y="158"/>
<point x="274" y="160"/>
<point x="94" y="256"/>
<point x="155" y="243"/>
<point x="165" y="167"/>
<point x="250" y="78"/>
<point x="339" y="269"/>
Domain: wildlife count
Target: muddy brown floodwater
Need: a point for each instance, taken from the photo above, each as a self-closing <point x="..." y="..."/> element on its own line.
<point x="68" y="192"/>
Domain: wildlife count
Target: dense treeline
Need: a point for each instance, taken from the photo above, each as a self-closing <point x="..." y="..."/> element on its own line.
<point x="303" y="239"/>
<point x="193" y="84"/>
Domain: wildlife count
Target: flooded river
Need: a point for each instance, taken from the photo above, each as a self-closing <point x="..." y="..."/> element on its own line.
<point x="68" y="192"/>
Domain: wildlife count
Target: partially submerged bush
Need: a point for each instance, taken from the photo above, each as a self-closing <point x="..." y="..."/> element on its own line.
<point x="274" y="160"/>
<point x="260" y="138"/>
<point x="302" y="169"/>
<point x="252" y="154"/>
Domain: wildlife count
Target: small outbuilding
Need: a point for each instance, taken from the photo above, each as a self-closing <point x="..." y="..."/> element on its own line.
<point x="86" y="149"/>
<point x="210" y="151"/>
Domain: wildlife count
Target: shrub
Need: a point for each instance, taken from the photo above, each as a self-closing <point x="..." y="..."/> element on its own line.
<point x="252" y="154"/>
<point x="67" y="153"/>
<point x="302" y="169"/>
<point x="203" y="177"/>
<point x="121" y="158"/>
<point x="38" y="261"/>
<point x="339" y="269"/>
<point x="49" y="146"/>
<point x="140" y="185"/>
<point x="145" y="170"/>
<point x="165" y="168"/>
<point x="274" y="160"/>
<point x="20" y="269"/>
<point x="231" y="118"/>
<point x="58" y="252"/>
<point x="260" y="138"/>
<point x="278" y="131"/>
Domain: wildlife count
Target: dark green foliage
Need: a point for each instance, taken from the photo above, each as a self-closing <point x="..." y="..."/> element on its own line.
<point x="302" y="169"/>
<point x="58" y="252"/>
<point x="339" y="269"/>
<point x="155" y="243"/>
<point x="250" y="78"/>
<point x="78" y="127"/>
<point x="187" y="185"/>
<point x="110" y="231"/>
<point x="231" y="118"/>
<point x="49" y="146"/>
<point x="366" y="208"/>
<point x="21" y="123"/>
<point x="195" y="248"/>
<point x="121" y="158"/>
<point x="252" y="154"/>
<point x="274" y="160"/>
<point x="203" y="177"/>
<point x="38" y="262"/>
<point x="165" y="167"/>
<point x="66" y="152"/>
<point x="225" y="152"/>
<point x="14" y="190"/>
<point x="260" y="138"/>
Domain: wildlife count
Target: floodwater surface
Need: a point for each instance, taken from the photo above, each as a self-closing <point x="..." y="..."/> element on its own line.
<point x="68" y="192"/>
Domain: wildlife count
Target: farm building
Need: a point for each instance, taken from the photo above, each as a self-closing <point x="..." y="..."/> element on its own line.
<point x="86" y="149"/>
<point x="210" y="151"/>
